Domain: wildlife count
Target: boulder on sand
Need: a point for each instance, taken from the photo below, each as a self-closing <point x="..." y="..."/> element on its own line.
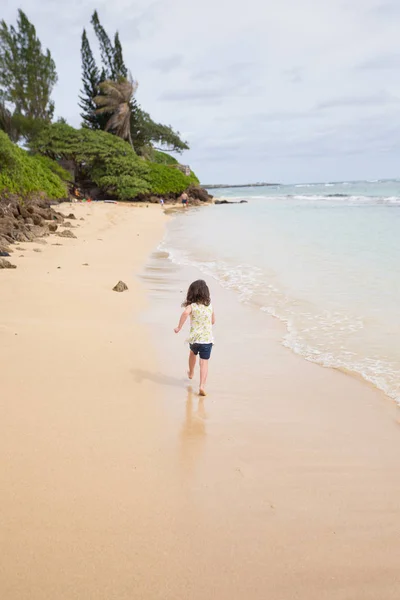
<point x="120" y="287"/>
<point x="66" y="234"/>
<point x="5" y="264"/>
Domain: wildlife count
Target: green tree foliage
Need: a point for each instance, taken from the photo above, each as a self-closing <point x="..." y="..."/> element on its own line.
<point x="99" y="156"/>
<point x="109" y="162"/>
<point x="23" y="174"/>
<point x="144" y="131"/>
<point x="119" y="65"/>
<point x="113" y="69"/>
<point x="27" y="127"/>
<point x="162" y="158"/>
<point x="107" y="50"/>
<point x="149" y="132"/>
<point x="164" y="180"/>
<point x="90" y="80"/>
<point x="54" y="167"/>
<point x="7" y="123"/>
<point x="27" y="73"/>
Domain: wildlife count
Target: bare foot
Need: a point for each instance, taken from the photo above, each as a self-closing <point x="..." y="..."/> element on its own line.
<point x="190" y="375"/>
<point x="202" y="392"/>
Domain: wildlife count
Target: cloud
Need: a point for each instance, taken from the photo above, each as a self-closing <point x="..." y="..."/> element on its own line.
<point x="386" y="9"/>
<point x="195" y="96"/>
<point x="210" y="94"/>
<point x="168" y="64"/>
<point x="382" y="99"/>
<point x="383" y="61"/>
<point x="294" y="74"/>
<point x="293" y="90"/>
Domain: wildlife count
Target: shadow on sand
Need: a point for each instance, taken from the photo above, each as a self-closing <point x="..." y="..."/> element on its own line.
<point x="158" y="378"/>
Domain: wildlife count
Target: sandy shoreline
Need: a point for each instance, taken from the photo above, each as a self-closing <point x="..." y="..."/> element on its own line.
<point x="117" y="482"/>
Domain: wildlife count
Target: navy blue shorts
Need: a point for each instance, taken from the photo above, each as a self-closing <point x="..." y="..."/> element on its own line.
<point x="203" y="349"/>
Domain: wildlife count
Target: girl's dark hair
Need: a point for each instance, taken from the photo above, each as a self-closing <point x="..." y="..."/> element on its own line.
<point x="198" y="293"/>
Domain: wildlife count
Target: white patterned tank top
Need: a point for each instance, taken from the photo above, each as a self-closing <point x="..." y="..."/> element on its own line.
<point x="201" y="325"/>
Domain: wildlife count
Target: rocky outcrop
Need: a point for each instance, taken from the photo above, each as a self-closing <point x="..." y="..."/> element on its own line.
<point x="26" y="220"/>
<point x="196" y="194"/>
<point x="230" y="202"/>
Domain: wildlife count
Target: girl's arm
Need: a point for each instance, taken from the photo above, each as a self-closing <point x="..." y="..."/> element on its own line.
<point x="183" y="318"/>
<point x="213" y="318"/>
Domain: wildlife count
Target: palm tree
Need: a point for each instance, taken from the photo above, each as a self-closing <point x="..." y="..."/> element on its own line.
<point x="115" y="99"/>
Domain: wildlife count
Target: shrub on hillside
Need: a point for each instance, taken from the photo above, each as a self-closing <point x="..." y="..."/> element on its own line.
<point x="168" y="180"/>
<point x="105" y="159"/>
<point x="54" y="167"/>
<point x="23" y="174"/>
<point x="110" y="162"/>
<point x="162" y="158"/>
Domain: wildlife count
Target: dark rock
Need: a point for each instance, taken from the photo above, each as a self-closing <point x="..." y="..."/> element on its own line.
<point x="53" y="227"/>
<point x="66" y="234"/>
<point x="4" y="253"/>
<point x="120" y="287"/>
<point x="5" y="264"/>
<point x="23" y="220"/>
<point x="229" y="202"/>
<point x="71" y="216"/>
<point x="199" y="193"/>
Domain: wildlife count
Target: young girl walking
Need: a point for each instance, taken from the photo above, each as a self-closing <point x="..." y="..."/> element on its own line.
<point x="198" y="306"/>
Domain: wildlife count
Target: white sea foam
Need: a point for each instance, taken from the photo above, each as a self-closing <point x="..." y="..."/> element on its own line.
<point x="309" y="334"/>
<point x="353" y="336"/>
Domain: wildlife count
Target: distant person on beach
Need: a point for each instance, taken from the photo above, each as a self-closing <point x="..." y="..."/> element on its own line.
<point x="162" y="201"/>
<point x="198" y="306"/>
<point x="184" y="199"/>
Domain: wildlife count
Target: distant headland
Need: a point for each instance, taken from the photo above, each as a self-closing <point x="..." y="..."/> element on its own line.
<point x="242" y="185"/>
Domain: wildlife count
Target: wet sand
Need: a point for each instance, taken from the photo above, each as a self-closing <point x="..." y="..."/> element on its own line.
<point x="118" y="482"/>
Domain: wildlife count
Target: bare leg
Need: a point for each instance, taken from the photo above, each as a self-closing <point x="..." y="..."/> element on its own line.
<point x="203" y="376"/>
<point x="192" y="364"/>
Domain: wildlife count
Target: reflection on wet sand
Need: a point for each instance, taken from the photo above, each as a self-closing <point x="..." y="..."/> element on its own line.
<point x="193" y="433"/>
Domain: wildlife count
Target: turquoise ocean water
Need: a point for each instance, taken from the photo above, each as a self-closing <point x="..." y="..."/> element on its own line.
<point x="322" y="258"/>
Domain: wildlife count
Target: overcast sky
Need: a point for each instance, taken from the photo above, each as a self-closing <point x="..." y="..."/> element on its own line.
<point x="272" y="90"/>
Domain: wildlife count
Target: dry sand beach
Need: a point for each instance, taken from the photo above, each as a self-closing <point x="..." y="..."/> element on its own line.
<point x="118" y="482"/>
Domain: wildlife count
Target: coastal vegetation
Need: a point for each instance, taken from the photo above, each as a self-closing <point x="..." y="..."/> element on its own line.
<point x="119" y="151"/>
<point x="27" y="78"/>
<point x="22" y="173"/>
<point x="113" y="80"/>
<point x="109" y="162"/>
